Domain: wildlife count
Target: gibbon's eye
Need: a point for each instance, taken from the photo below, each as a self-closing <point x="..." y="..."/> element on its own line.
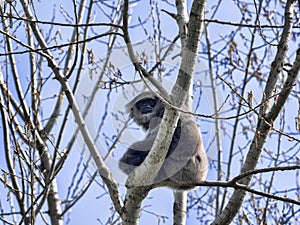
<point x="146" y="105"/>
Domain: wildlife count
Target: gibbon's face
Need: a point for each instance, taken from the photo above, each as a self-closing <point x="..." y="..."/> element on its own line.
<point x="146" y="109"/>
<point x="146" y="105"/>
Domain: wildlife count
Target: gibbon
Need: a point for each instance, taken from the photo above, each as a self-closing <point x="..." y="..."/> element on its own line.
<point x="186" y="161"/>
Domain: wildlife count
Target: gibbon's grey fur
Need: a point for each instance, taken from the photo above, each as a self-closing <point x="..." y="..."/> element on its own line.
<point x="186" y="161"/>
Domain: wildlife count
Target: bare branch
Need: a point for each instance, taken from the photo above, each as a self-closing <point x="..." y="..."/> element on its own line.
<point x="102" y="169"/>
<point x="277" y="64"/>
<point x="262" y="129"/>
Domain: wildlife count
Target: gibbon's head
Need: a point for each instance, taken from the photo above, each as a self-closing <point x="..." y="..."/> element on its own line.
<point x="144" y="108"/>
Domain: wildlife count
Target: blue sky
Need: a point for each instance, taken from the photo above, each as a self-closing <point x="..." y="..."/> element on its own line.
<point x="160" y="200"/>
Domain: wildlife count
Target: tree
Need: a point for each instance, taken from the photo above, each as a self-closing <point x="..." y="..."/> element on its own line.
<point x="56" y="67"/>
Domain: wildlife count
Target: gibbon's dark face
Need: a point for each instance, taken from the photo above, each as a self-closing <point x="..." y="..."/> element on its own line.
<point x="146" y="105"/>
<point x="146" y="110"/>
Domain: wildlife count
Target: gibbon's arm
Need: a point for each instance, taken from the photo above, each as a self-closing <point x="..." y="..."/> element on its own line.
<point x="135" y="155"/>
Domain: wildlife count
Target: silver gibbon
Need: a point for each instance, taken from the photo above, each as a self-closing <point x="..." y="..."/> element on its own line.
<point x="186" y="161"/>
